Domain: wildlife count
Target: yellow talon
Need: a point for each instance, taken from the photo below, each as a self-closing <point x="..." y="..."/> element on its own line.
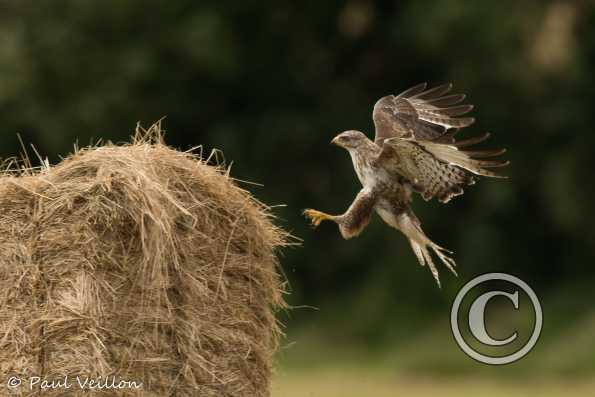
<point x="316" y="216"/>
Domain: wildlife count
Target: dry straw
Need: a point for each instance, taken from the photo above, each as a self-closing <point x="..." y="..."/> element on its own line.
<point x="142" y="263"/>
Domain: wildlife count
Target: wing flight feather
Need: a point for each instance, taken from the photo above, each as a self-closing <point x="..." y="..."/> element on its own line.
<point x="420" y="113"/>
<point x="437" y="170"/>
<point x="416" y="131"/>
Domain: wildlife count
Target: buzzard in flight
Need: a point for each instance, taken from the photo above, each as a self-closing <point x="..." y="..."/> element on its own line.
<point x="414" y="151"/>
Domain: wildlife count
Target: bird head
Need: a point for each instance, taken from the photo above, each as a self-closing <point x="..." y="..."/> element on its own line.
<point x="349" y="139"/>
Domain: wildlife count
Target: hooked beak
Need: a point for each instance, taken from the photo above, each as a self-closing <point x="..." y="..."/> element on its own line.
<point x="335" y="141"/>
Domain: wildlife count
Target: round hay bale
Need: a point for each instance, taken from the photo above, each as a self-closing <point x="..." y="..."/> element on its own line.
<point x="137" y="263"/>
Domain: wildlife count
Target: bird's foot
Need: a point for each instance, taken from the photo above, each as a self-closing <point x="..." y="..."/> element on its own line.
<point x="316" y="217"/>
<point x="443" y="254"/>
<point x="422" y="251"/>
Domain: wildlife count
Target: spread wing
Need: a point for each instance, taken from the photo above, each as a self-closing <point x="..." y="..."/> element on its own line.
<point x="437" y="169"/>
<point x="420" y="114"/>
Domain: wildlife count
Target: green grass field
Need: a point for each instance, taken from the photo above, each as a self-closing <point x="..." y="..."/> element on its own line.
<point x="334" y="382"/>
<point x="428" y="363"/>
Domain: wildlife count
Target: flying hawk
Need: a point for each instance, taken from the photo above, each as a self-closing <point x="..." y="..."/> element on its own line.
<point x="414" y="151"/>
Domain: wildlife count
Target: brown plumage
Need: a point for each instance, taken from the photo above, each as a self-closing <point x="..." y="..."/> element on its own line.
<point x="414" y="150"/>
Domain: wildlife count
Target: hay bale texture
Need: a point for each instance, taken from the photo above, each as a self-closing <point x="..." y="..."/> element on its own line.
<point x="142" y="263"/>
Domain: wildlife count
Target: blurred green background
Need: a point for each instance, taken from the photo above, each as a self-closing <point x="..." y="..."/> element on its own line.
<point x="271" y="82"/>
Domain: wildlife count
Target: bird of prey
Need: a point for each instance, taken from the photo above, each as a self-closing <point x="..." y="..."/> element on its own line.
<point x="414" y="150"/>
